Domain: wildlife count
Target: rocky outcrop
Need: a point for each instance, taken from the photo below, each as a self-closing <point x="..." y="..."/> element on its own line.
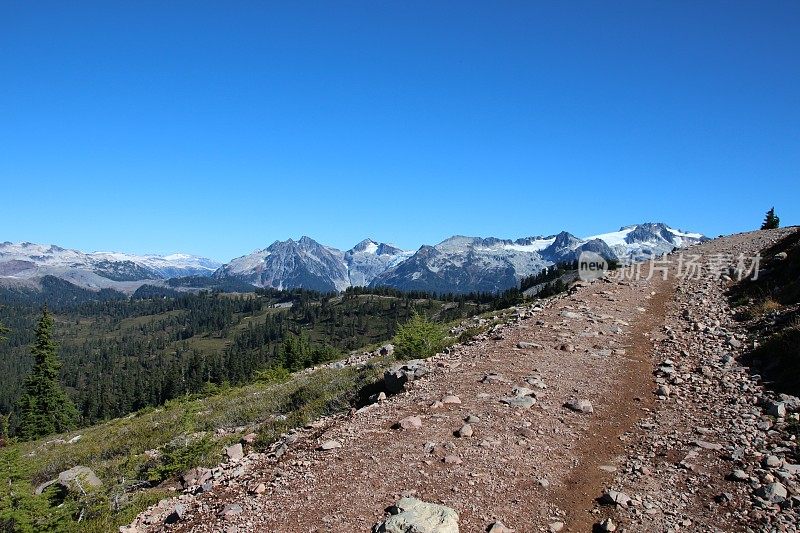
<point x="396" y="377"/>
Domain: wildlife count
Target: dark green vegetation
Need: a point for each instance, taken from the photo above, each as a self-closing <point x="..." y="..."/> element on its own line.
<point x="770" y="306"/>
<point x="184" y="432"/>
<point x="550" y="281"/>
<point x="196" y="372"/>
<point x="771" y="220"/>
<point x="121" y="355"/>
<point x="419" y="337"/>
<point x="44" y="407"/>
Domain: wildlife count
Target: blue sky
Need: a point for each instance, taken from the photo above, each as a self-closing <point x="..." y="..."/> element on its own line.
<point x="218" y="128"/>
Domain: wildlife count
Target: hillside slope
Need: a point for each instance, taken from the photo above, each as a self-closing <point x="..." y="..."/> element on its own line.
<point x="619" y="390"/>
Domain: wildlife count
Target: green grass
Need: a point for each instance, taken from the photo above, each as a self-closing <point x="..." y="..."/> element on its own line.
<point x="182" y="430"/>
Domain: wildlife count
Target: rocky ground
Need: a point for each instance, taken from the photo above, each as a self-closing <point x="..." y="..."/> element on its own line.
<point x="620" y="406"/>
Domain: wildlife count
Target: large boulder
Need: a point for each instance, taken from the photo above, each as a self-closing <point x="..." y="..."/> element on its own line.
<point x="410" y="515"/>
<point x="396" y="377"/>
<point x="76" y="479"/>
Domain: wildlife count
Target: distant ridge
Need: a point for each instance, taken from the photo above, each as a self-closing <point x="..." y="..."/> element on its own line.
<point x="459" y="264"/>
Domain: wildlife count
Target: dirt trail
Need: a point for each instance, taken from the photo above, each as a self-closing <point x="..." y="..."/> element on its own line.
<point x="535" y="469"/>
<point x="601" y="452"/>
<point x="520" y="464"/>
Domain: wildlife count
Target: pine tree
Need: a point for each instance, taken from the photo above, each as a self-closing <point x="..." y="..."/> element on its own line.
<point x="44" y="407"/>
<point x="771" y="221"/>
<point x="3" y="331"/>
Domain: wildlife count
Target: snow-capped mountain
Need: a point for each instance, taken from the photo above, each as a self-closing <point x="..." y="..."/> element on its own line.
<point x="28" y="262"/>
<point x="464" y="264"/>
<point x="643" y="241"/>
<point x="288" y="264"/>
<point x="368" y="259"/>
<point x="457" y="264"/>
<point x="308" y="264"/>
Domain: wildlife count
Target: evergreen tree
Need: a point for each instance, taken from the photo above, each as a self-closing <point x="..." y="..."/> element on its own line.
<point x="44" y="407"/>
<point x="771" y="221"/>
<point x="3" y="331"/>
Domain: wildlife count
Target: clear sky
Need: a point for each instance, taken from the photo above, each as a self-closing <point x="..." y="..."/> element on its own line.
<point x="218" y="127"/>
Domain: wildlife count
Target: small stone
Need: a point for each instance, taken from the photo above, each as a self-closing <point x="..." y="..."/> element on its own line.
<point x="465" y="431"/>
<point x="555" y="527"/>
<point x="608" y="525"/>
<point x="520" y="402"/>
<point x="176" y="515"/>
<point x="492" y="378"/>
<point x="529" y="345"/>
<point x="773" y="492"/>
<point x="330" y="445"/>
<point x="451" y="399"/>
<point x="771" y="461"/>
<point x="499" y="527"/>
<point x="739" y="475"/>
<point x="613" y="497"/>
<point x="776" y="409"/>
<point x="231" y="509"/>
<point x="471" y="419"/>
<point x="234" y="452"/>
<point x="386" y="349"/>
<point x="76" y="479"/>
<point x="707" y="445"/>
<point x="452" y="460"/>
<point x="410" y="515"/>
<point x="409" y="422"/>
<point x="580" y="406"/>
<point x="724" y="497"/>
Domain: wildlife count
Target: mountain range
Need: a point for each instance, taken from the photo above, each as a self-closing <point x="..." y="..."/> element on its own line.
<point x="458" y="264"/>
<point x="25" y="264"/>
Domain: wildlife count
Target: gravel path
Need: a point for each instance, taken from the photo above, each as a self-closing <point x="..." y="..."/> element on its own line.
<point x="526" y="459"/>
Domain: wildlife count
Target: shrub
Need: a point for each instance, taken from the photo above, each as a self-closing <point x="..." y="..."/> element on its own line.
<point x="180" y="457"/>
<point x="419" y="337"/>
<point x="273" y="374"/>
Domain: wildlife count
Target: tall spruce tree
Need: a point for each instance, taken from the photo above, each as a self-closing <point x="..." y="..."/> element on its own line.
<point x="3" y="418"/>
<point x="44" y="407"/>
<point x="771" y="221"/>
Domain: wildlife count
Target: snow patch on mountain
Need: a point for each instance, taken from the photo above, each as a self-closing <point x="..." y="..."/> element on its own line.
<point x="640" y="242"/>
<point x="96" y="270"/>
